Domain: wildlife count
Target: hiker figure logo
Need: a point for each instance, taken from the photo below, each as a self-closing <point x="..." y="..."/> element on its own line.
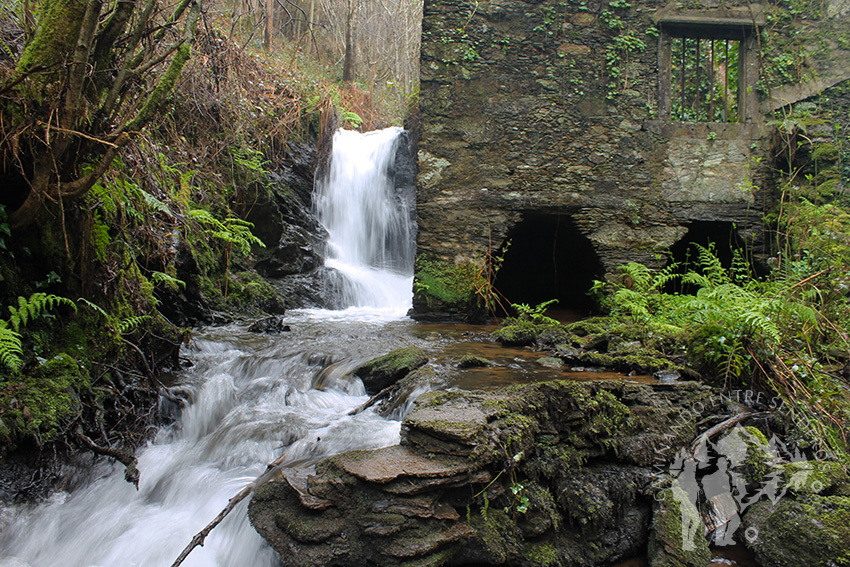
<point x="714" y="483"/>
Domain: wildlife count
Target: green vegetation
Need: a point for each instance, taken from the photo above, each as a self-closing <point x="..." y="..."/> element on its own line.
<point x="451" y="284"/>
<point x="150" y="180"/>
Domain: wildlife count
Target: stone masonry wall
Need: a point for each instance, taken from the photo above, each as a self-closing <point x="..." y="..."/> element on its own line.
<point x="536" y="107"/>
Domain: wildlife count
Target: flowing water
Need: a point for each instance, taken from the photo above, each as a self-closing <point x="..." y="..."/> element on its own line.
<point x="253" y="398"/>
<point x="370" y="229"/>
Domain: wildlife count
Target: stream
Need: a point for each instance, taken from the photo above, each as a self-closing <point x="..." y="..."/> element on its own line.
<point x="253" y="398"/>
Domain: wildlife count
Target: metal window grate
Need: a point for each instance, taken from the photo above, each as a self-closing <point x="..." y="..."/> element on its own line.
<point x="705" y="79"/>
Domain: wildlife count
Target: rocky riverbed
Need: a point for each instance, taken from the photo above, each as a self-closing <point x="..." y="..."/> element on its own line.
<point x="552" y="473"/>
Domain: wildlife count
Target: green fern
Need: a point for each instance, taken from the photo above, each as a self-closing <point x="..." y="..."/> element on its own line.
<point x="11" y="348"/>
<point x="130" y="323"/>
<point x="33" y="307"/>
<point x="232" y="230"/>
<point x="94" y="306"/>
<point x="170" y="281"/>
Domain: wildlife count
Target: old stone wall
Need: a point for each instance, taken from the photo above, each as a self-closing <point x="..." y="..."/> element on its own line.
<point x="551" y="110"/>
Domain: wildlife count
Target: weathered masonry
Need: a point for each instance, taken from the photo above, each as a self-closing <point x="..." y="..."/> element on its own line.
<point x="562" y="138"/>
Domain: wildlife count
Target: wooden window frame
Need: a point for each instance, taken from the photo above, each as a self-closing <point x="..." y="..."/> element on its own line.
<point x="701" y="27"/>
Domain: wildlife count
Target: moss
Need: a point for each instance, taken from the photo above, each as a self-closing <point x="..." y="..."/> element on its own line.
<point x="385" y="370"/>
<point x="497" y="534"/>
<point x="41" y="403"/>
<point x="249" y="292"/>
<point x="451" y="285"/>
<point x="812" y="530"/>
<point x="677" y="532"/>
<point x="813" y="477"/>
<point x="56" y="36"/>
<point x="540" y="554"/>
<point x="518" y="331"/>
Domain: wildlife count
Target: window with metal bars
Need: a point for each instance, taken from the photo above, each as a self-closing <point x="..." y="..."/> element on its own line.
<point x="704" y="79"/>
<point x="708" y="68"/>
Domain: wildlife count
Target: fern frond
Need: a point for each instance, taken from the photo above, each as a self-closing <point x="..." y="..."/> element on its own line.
<point x="170" y="281"/>
<point x="155" y="204"/>
<point x="11" y="349"/>
<point x="710" y="265"/>
<point x="206" y="218"/>
<point x="33" y="307"/>
<point x="93" y="306"/>
<point x="632" y="303"/>
<point x="130" y="323"/>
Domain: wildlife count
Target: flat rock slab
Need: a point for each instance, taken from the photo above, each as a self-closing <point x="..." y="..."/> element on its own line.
<point x="384" y="465"/>
<point x="449" y="422"/>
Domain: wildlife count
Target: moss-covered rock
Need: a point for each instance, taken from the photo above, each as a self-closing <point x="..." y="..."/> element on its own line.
<point x="385" y="370"/>
<point x="551" y="473"/>
<point x="40" y="404"/>
<point x="678" y="534"/>
<point x="448" y="290"/>
<point x="811" y="530"/>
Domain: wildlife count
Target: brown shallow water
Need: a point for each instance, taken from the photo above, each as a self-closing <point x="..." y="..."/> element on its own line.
<point x="511" y="365"/>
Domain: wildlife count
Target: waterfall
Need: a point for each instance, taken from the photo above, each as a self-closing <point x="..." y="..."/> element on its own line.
<point x="254" y="398"/>
<point x="371" y="234"/>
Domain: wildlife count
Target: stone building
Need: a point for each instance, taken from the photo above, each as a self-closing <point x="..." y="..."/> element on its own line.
<point x="561" y="138"/>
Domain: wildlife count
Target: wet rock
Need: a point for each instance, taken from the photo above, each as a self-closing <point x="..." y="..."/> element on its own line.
<point x="812" y="530"/>
<point x="397" y="461"/>
<point x="384" y="371"/>
<point x="551" y="362"/>
<point x="396" y="401"/>
<point x="473" y="361"/>
<point x="270" y="326"/>
<point x="489" y="477"/>
<point x="297" y="252"/>
<point x="678" y="534"/>
<point x="667" y="375"/>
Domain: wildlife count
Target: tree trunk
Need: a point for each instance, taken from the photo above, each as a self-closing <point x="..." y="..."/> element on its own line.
<point x="348" y="63"/>
<point x="268" y="30"/>
<point x="55" y="38"/>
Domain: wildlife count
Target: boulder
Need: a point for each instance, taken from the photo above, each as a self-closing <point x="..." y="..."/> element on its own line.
<point x="388" y="369"/>
<point x="269" y="325"/>
<point x="552" y="473"/>
<point x="812" y="530"/>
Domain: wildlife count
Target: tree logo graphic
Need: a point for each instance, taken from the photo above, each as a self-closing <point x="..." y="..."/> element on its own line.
<point x="715" y="483"/>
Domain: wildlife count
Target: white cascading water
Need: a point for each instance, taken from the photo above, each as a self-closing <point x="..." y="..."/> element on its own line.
<point x="370" y="231"/>
<point x="253" y="399"/>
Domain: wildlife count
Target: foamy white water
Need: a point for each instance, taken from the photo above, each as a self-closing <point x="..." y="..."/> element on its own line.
<point x="253" y="399"/>
<point x="370" y="230"/>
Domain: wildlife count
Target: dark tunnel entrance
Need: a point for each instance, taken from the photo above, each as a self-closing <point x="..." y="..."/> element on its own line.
<point x="723" y="235"/>
<point x="548" y="258"/>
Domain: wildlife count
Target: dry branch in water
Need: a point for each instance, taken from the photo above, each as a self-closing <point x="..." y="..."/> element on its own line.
<point x="201" y="536"/>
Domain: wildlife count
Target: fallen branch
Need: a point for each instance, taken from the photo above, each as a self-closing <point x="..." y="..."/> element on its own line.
<point x="199" y="538"/>
<point x="131" y="473"/>
<point x="383" y="394"/>
<point x="723" y="426"/>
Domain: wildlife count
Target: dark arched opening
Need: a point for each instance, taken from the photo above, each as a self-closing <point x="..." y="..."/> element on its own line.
<point x="722" y="235"/>
<point x="725" y="240"/>
<point x="548" y="258"/>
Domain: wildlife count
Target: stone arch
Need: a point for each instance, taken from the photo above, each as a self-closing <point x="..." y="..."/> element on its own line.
<point x="549" y="258"/>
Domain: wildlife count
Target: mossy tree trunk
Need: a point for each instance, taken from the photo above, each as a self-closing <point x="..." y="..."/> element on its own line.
<point x="93" y="73"/>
